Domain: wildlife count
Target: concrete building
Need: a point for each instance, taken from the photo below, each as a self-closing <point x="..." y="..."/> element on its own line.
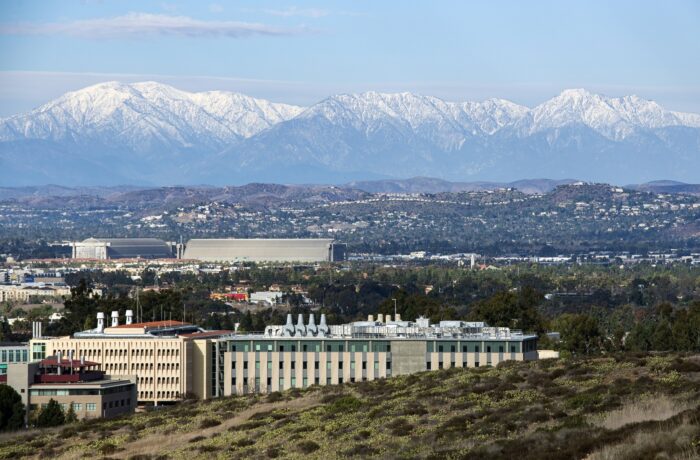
<point x="23" y="292"/>
<point x="299" y="355"/>
<point x="173" y="359"/>
<point x="168" y="358"/>
<point x="76" y="383"/>
<point x="122" y="248"/>
<point x="264" y="250"/>
<point x="10" y="353"/>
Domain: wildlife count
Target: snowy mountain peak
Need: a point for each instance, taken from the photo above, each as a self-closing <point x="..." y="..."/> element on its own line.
<point x="147" y="112"/>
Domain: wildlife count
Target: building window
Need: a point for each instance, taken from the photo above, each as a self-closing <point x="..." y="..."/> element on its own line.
<point x="452" y="348"/>
<point x="269" y="365"/>
<point x="257" y="364"/>
<point x="294" y="365"/>
<point x="376" y="365"/>
<point x="452" y="364"/>
<point x="440" y="365"/>
<point x="440" y="348"/>
<point x="476" y="349"/>
<point x="91" y="407"/>
<point x="340" y="365"/>
<point x="476" y="364"/>
<point x="512" y="348"/>
<point x="364" y="365"/>
<point x="281" y="365"/>
<point x="294" y="382"/>
<point x="282" y="348"/>
<point x="294" y="348"/>
<point x="427" y="365"/>
<point x="328" y="365"/>
<point x="304" y="365"/>
<point x="245" y="364"/>
<point x="488" y="349"/>
<point x="500" y="348"/>
<point x="316" y="365"/>
<point x="269" y="381"/>
<point x="464" y="364"/>
<point x="303" y="347"/>
<point x="281" y="384"/>
<point x="464" y="348"/>
<point x="352" y="365"/>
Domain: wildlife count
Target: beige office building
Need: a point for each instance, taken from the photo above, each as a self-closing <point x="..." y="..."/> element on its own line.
<point x="297" y="356"/>
<point x="168" y="358"/>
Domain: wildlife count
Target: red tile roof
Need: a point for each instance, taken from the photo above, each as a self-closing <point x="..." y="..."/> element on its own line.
<point x="152" y="324"/>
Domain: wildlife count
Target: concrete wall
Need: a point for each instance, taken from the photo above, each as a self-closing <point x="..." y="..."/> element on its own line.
<point x="408" y="356"/>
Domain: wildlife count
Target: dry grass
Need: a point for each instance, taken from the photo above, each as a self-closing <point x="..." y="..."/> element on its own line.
<point x="664" y="442"/>
<point x="645" y="410"/>
<point x="158" y="443"/>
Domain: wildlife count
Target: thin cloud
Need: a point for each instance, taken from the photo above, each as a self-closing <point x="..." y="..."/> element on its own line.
<point x="216" y="8"/>
<point x="294" y="11"/>
<point x="144" y="24"/>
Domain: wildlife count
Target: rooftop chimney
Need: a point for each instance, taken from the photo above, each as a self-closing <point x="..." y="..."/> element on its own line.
<point x="129" y="316"/>
<point x="388" y="318"/>
<point x="323" y="327"/>
<point x="397" y="317"/>
<point x="380" y="317"/>
<point x="100" y="322"/>
<point x="311" y="328"/>
<point x="115" y="318"/>
<point x="370" y="318"/>
<point x="300" y="329"/>
<point x="289" y="327"/>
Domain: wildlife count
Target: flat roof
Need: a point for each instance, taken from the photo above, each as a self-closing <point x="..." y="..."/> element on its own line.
<point x="150" y="325"/>
<point x="104" y="383"/>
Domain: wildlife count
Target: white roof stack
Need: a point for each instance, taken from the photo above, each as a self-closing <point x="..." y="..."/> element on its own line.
<point x="388" y="319"/>
<point x="370" y="318"/>
<point x="115" y="318"/>
<point x="323" y="327"/>
<point x="289" y="327"/>
<point x="380" y="317"/>
<point x="100" y="322"/>
<point x="398" y="317"/>
<point x="129" y="316"/>
<point x="300" y="330"/>
<point x="311" y="328"/>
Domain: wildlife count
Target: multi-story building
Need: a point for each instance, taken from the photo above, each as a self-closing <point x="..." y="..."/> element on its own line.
<point x="173" y="359"/>
<point x="12" y="352"/>
<point x="299" y="355"/>
<point x="168" y="358"/>
<point x="23" y="292"/>
<point x="72" y="383"/>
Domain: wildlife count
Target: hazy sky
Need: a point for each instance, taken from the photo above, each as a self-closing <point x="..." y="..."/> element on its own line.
<point x="301" y="52"/>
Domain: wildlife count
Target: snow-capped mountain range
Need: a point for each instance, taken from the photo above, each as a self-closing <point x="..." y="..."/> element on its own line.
<point x="151" y="133"/>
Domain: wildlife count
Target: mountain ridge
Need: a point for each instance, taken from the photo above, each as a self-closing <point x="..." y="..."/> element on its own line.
<point x="153" y="134"/>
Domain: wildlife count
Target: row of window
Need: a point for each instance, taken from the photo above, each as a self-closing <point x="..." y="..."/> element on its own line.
<point x="158" y="394"/>
<point x="443" y="348"/>
<point x="452" y="364"/>
<point x="14" y="356"/>
<point x="159" y="380"/>
<point x="123" y="352"/>
<point x="312" y="347"/>
<point x="305" y="365"/>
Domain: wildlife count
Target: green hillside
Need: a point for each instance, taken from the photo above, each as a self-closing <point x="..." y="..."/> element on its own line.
<point x="625" y="407"/>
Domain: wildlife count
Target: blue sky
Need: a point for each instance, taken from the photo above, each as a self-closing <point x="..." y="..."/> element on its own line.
<point x="300" y="52"/>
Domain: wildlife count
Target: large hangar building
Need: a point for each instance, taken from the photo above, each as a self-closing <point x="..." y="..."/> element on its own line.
<point x="265" y="250"/>
<point x="122" y="248"/>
